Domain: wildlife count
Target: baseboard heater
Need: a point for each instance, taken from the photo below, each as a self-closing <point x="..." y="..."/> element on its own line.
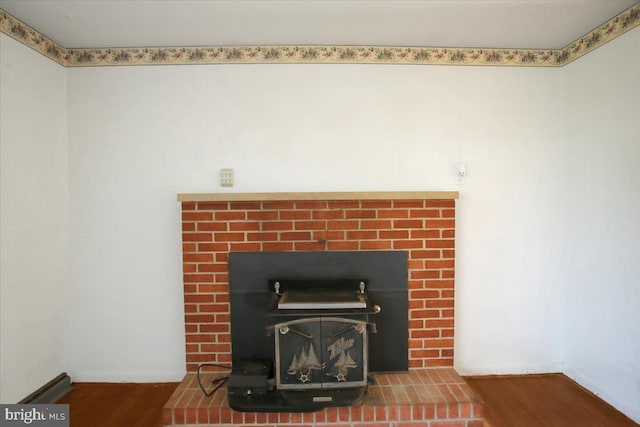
<point x="51" y="392"/>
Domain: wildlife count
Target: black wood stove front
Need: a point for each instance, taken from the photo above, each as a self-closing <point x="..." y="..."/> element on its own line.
<point x="300" y="342"/>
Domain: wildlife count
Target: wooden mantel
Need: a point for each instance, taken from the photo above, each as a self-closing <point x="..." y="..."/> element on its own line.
<point x="350" y="195"/>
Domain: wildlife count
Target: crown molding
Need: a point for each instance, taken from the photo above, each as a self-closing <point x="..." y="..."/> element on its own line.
<point x="623" y="22"/>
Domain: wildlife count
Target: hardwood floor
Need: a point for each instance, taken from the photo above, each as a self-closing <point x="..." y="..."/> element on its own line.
<point x="551" y="400"/>
<point x="117" y="404"/>
<point x="543" y="400"/>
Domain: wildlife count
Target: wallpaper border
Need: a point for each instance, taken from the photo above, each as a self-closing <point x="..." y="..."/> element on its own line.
<point x="18" y="30"/>
<point x="623" y="22"/>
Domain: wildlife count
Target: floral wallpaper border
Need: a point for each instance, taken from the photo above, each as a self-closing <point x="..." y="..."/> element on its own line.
<point x="13" y="27"/>
<point x="625" y="21"/>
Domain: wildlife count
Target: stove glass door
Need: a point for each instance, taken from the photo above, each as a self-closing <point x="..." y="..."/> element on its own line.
<point x="343" y="353"/>
<point x="321" y="353"/>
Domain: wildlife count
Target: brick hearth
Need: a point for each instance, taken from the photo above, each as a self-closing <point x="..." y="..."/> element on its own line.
<point x="433" y="397"/>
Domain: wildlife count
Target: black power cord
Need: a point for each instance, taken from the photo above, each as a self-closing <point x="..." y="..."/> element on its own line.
<point x="217" y="383"/>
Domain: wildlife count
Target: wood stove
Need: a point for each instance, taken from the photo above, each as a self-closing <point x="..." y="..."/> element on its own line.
<point x="303" y="325"/>
<point x="321" y="332"/>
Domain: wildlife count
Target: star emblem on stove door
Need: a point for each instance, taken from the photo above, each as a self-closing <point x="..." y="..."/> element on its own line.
<point x="304" y="377"/>
<point x="341" y="377"/>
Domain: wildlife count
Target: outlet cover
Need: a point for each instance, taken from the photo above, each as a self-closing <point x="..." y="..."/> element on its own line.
<point x="226" y="177"/>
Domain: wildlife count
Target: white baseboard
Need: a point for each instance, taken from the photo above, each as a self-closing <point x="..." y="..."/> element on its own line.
<point x="510" y="369"/>
<point x="128" y="377"/>
<point x="630" y="409"/>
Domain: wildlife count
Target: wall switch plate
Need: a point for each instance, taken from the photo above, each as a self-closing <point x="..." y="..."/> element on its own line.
<point x="226" y="177"/>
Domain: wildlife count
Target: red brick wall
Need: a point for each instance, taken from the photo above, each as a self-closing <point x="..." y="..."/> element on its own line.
<point x="424" y="228"/>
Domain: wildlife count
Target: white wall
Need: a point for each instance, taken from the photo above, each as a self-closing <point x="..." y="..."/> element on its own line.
<point x="603" y="222"/>
<point x="547" y="221"/>
<point x="140" y="135"/>
<point x="34" y="221"/>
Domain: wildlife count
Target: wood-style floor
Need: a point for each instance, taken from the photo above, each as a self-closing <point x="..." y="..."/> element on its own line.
<point x="510" y="401"/>
<point x="117" y="404"/>
<point x="543" y="400"/>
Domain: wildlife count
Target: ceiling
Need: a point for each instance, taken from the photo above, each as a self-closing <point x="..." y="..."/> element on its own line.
<point x="522" y="24"/>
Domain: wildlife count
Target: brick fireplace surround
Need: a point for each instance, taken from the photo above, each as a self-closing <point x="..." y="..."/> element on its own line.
<point x="421" y="223"/>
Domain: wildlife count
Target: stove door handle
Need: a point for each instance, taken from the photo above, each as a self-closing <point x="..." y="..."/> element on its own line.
<point x="283" y="329"/>
<point x="344" y="331"/>
<point x="360" y="327"/>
